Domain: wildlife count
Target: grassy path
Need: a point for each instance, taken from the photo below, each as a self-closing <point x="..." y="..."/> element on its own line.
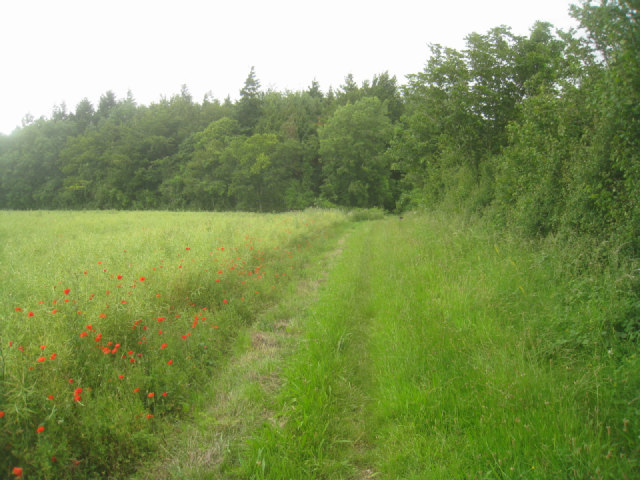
<point x="429" y="354"/>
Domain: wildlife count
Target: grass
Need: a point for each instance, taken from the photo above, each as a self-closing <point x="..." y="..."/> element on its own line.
<point x="427" y="347"/>
<point x="436" y="351"/>
<point x="111" y="322"/>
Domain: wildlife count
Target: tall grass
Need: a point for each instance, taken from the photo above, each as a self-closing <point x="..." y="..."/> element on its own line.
<point x="441" y="349"/>
<point x="110" y="322"/>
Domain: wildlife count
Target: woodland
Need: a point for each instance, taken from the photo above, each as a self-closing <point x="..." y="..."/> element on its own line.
<point x="540" y="133"/>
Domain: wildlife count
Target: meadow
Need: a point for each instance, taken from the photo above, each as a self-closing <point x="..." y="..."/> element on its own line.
<point x="312" y="345"/>
<point x="110" y="323"/>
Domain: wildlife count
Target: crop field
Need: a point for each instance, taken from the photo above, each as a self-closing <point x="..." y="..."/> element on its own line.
<point x="109" y="322"/>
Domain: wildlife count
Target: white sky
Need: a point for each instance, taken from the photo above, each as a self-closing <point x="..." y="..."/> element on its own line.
<point x="55" y="51"/>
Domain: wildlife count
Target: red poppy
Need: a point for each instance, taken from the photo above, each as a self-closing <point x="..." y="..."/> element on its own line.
<point x="77" y="398"/>
<point x="164" y="394"/>
<point x="170" y="362"/>
<point x="151" y="395"/>
<point x="136" y="390"/>
<point x="41" y="359"/>
<point x="71" y="380"/>
<point x="40" y="429"/>
<point x="119" y="277"/>
<point x="84" y="334"/>
<point x="149" y="415"/>
<point x="142" y="279"/>
<point x="53" y="356"/>
<point x="161" y="319"/>
<point x="89" y="327"/>
<point x="18" y="309"/>
<point x="30" y="314"/>
<point x="66" y="291"/>
<point x="120" y="377"/>
<point x="50" y="397"/>
<point x="77" y="391"/>
<point x="163" y="346"/>
<point x="17" y="471"/>
<point x="103" y="315"/>
<point x="1" y="414"/>
<point x="42" y="347"/>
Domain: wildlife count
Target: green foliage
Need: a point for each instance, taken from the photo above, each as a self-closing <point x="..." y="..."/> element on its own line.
<point x="352" y="144"/>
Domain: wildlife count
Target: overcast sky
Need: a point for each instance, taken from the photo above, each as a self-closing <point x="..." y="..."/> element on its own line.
<point x="56" y="51"/>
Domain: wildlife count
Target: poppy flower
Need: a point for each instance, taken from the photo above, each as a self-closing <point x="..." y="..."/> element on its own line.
<point x="1" y="414"/>
<point x="120" y="377"/>
<point x="136" y="390"/>
<point x="89" y="327"/>
<point x="163" y="346"/>
<point x="30" y="314"/>
<point x="42" y="347"/>
<point x="170" y="362"/>
<point x="17" y="471"/>
<point x="41" y="359"/>
<point x="77" y="391"/>
<point x="77" y="398"/>
<point x="164" y="394"/>
<point x="53" y="356"/>
<point x="149" y="415"/>
<point x="50" y="397"/>
<point x="142" y="279"/>
<point x="18" y="309"/>
<point x="66" y="291"/>
<point x="84" y="334"/>
<point x="119" y="277"/>
<point x="151" y="395"/>
<point x="103" y="315"/>
<point x="40" y="429"/>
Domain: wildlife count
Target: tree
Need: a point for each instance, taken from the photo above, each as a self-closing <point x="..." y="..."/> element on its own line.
<point x="352" y="143"/>
<point x="248" y="108"/>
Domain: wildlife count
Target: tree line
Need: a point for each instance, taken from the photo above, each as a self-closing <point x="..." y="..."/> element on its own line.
<point x="540" y="132"/>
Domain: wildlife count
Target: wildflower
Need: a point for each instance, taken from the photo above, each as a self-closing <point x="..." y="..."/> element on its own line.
<point x="170" y="362"/>
<point x="151" y="395"/>
<point x="149" y="415"/>
<point x="77" y="391"/>
<point x="163" y="346"/>
<point x="164" y="394"/>
<point x="30" y="314"/>
<point x="53" y="356"/>
<point x="50" y="397"/>
<point x="54" y="311"/>
<point x="103" y="315"/>
<point x="161" y="319"/>
<point x="66" y="291"/>
<point x="71" y="380"/>
<point x="119" y="277"/>
<point x="18" y="309"/>
<point x="40" y="429"/>
<point x="41" y="359"/>
<point x="142" y="279"/>
<point x="84" y="334"/>
<point x="17" y="471"/>
<point x="77" y="398"/>
<point x="42" y="347"/>
<point x="120" y="377"/>
<point x="136" y="390"/>
<point x="2" y="413"/>
<point x="89" y="327"/>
